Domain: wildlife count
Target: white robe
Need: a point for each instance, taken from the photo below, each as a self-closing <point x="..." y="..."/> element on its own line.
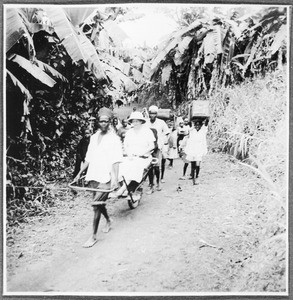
<point x="136" y="144"/>
<point x="196" y="144"/>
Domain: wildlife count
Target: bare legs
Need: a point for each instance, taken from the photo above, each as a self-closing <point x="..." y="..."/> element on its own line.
<point x="154" y="172"/>
<point x="163" y="169"/>
<point x="195" y="168"/>
<point x="185" y="168"/>
<point x="99" y="207"/>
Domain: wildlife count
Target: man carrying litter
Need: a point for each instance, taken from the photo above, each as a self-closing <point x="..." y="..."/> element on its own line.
<point x="102" y="160"/>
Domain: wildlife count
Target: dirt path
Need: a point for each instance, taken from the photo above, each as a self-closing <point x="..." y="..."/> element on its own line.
<point x="191" y="241"/>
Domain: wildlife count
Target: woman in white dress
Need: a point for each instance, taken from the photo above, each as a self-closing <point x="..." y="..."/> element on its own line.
<point x="196" y="147"/>
<point x="139" y="141"/>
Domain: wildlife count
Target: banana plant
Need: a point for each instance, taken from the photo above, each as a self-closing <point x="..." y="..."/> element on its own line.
<point x="104" y="32"/>
<point x="20" y="30"/>
<point x="74" y="40"/>
<point x="211" y="53"/>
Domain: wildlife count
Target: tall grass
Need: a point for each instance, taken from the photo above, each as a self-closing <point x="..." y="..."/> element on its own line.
<point x="250" y="121"/>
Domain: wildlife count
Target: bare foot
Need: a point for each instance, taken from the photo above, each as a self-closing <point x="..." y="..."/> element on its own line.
<point x="90" y="242"/>
<point x="107" y="226"/>
<point x="150" y="191"/>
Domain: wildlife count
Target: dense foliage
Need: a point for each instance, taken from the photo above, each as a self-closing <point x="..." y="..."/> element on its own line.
<point x="46" y="153"/>
<point x="213" y="52"/>
<point x="46" y="113"/>
<point x="54" y="85"/>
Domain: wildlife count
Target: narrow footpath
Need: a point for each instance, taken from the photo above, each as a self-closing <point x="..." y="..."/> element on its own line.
<point x="193" y="240"/>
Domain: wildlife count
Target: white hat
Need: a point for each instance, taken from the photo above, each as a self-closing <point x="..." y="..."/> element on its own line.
<point x="153" y="109"/>
<point x="136" y="115"/>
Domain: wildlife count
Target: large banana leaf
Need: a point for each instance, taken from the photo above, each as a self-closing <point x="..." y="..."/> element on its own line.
<point x="15" y="29"/>
<point x="228" y="48"/>
<point x="137" y="75"/>
<point x="280" y="37"/>
<point x="33" y="70"/>
<point x="252" y="54"/>
<point x="146" y="71"/>
<point x="234" y="26"/>
<point x="92" y="59"/>
<point x="114" y="61"/>
<point x="29" y="13"/>
<point x="20" y="85"/>
<point x="45" y="67"/>
<point x="66" y="32"/>
<point x="78" y="14"/>
<point x="212" y="44"/>
<point x="103" y="41"/>
<point x="76" y="43"/>
<point x="166" y="72"/>
<point x="209" y="48"/>
<point x="182" y="46"/>
<point x="174" y="41"/>
<point x="118" y="79"/>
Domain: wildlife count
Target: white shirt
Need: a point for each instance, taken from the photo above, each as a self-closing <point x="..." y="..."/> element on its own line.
<point x="102" y="157"/>
<point x="186" y="129"/>
<point x="196" y="144"/>
<point x="137" y="142"/>
<point x="162" y="130"/>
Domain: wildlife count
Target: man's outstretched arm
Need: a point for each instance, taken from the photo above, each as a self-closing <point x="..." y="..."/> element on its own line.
<point x="83" y="167"/>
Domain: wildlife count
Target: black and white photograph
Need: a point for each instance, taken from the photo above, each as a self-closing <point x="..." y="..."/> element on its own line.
<point x="146" y="149"/>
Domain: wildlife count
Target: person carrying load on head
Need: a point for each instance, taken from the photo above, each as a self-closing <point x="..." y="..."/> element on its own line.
<point x="102" y="160"/>
<point x="162" y="131"/>
<point x="139" y="142"/>
<point x="196" y="146"/>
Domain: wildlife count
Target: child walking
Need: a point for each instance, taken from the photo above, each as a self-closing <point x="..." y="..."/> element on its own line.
<point x="172" y="145"/>
<point x="196" y="147"/>
<point x="182" y="155"/>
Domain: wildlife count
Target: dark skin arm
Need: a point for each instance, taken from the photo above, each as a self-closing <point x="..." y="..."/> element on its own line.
<point x="206" y="122"/>
<point x="83" y="167"/>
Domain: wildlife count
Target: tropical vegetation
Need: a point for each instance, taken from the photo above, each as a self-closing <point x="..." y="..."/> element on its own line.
<point x="211" y="52"/>
<point x="63" y="64"/>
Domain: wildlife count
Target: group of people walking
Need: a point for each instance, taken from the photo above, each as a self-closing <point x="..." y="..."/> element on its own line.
<point x="118" y="154"/>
